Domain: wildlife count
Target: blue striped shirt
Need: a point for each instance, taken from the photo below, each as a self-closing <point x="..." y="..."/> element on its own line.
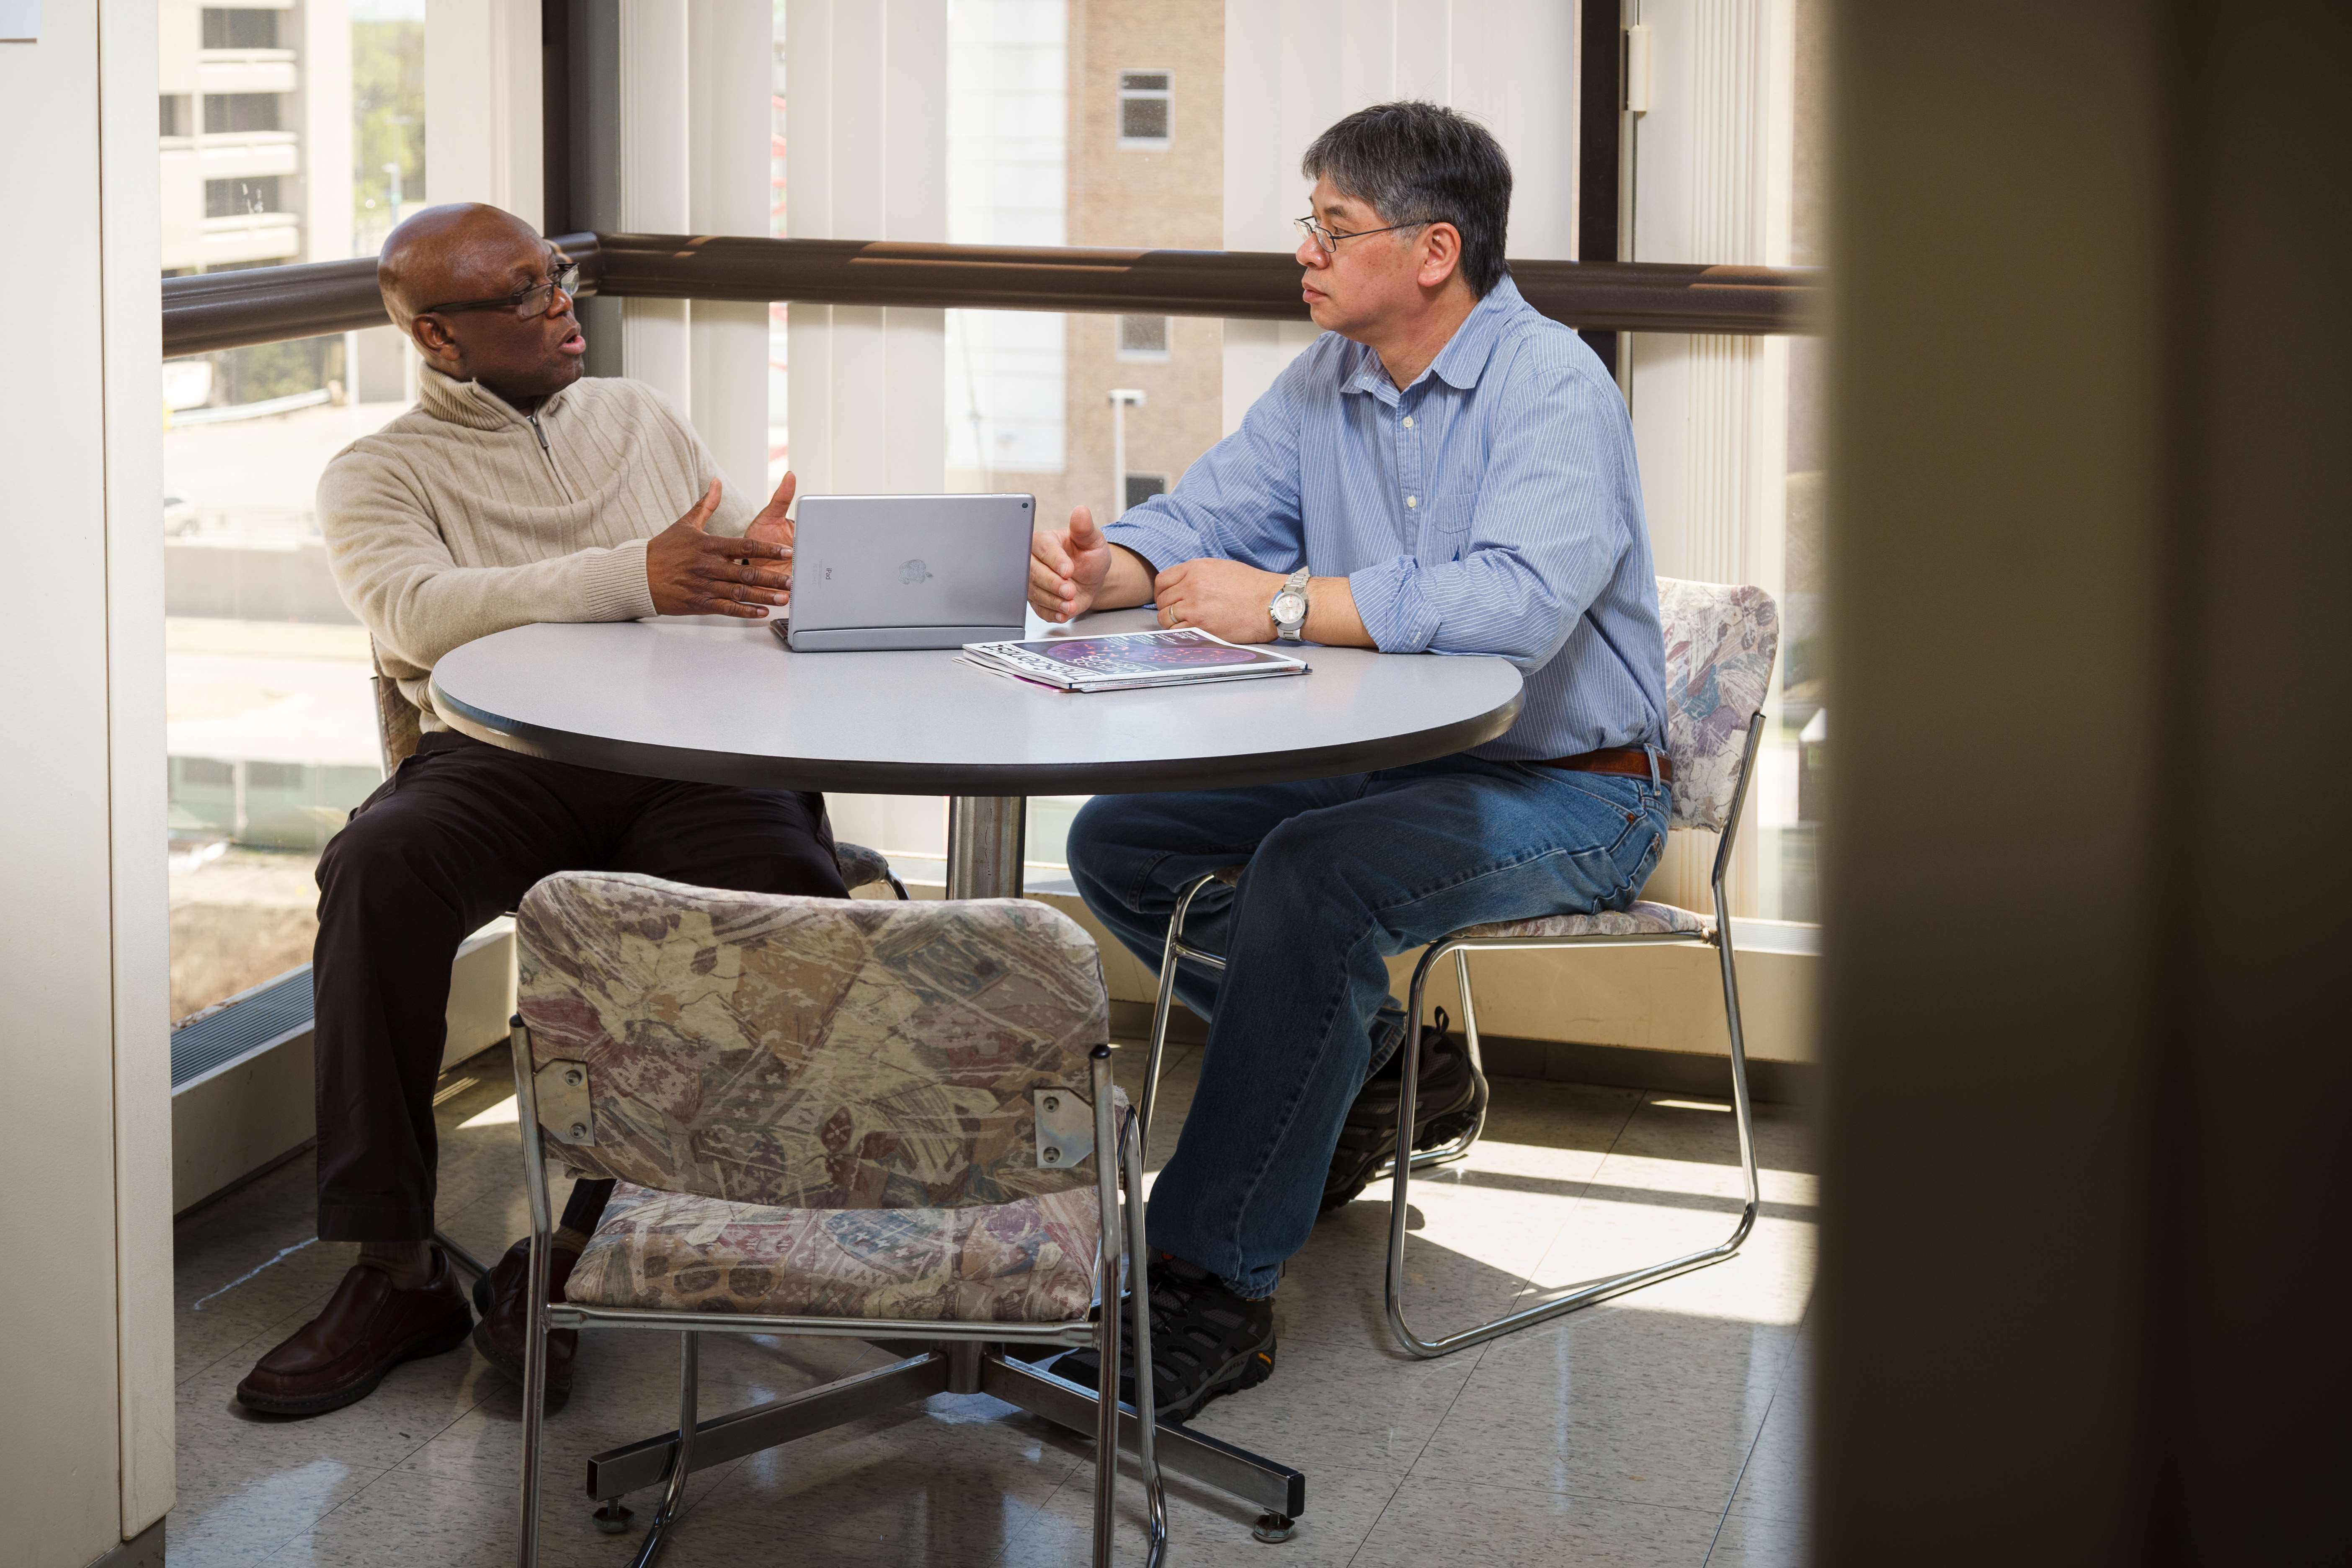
<point x="1492" y="507"/>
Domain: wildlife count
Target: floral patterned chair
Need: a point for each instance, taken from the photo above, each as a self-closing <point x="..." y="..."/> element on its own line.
<point x="1720" y="643"/>
<point x="871" y="1120"/>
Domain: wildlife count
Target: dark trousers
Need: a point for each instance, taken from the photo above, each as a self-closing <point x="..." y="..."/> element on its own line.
<point x="453" y="839"/>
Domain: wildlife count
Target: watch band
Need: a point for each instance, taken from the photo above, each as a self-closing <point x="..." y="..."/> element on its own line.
<point x="1295" y="584"/>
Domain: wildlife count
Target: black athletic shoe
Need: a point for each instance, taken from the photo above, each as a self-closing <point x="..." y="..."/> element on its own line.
<point x="1206" y="1341"/>
<point x="1448" y="1101"/>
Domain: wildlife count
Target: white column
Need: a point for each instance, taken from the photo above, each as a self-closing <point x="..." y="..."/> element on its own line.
<point x="1712" y="161"/>
<point x="866" y="133"/>
<point x="656" y="194"/>
<point x="484" y="140"/>
<point x="85" y="1380"/>
<point x="138" y="770"/>
<point x="325" y="64"/>
<point x="731" y="44"/>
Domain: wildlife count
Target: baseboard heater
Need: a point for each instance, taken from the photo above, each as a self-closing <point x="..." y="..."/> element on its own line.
<point x="242" y="1092"/>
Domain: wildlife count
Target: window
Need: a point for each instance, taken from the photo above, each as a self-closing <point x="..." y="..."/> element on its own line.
<point x="1146" y="117"/>
<point x="1141" y="488"/>
<point x="271" y="724"/>
<point x="229" y="113"/>
<point x="240" y="28"/>
<point x="1143" y="339"/>
<point x="230" y="199"/>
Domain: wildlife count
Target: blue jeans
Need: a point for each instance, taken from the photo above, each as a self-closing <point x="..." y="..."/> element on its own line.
<point x="1342" y="873"/>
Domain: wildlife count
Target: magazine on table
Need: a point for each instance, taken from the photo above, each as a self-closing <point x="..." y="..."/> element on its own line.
<point x="1125" y="661"/>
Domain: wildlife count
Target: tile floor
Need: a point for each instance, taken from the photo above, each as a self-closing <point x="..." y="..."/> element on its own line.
<point x="1667" y="1427"/>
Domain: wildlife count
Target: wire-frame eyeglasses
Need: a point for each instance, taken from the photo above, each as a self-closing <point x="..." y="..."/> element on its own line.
<point x="528" y="303"/>
<point x="1328" y="239"/>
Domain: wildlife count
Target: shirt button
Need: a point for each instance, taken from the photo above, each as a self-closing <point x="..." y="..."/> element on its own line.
<point x="1412" y="500"/>
<point x="1408" y="421"/>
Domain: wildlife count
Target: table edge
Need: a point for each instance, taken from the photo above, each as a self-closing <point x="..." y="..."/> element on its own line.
<point x="648" y="760"/>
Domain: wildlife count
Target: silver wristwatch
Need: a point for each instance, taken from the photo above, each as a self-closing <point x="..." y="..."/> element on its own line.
<point x="1289" y="608"/>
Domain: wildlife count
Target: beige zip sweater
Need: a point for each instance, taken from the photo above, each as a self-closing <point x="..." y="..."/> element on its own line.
<point x="462" y="516"/>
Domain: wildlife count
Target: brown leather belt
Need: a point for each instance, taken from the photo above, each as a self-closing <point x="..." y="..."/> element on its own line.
<point x="1631" y="760"/>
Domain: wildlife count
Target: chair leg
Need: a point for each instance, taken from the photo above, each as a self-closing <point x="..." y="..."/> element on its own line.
<point x="1107" y="1336"/>
<point x="673" y="1502"/>
<point x="1172" y="951"/>
<point x="1599" y="1290"/>
<point x="535" y="1392"/>
<point x="1147" y="1452"/>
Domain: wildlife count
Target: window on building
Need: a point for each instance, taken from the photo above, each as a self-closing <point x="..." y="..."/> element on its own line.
<point x="1144" y="339"/>
<point x="230" y="199"/>
<point x="1145" y="115"/>
<point x="228" y="113"/>
<point x="240" y="27"/>
<point x="1141" y="488"/>
<point x="171" y="116"/>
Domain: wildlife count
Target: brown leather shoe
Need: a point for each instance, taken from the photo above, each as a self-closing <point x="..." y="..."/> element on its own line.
<point x="500" y="1335"/>
<point x="367" y="1329"/>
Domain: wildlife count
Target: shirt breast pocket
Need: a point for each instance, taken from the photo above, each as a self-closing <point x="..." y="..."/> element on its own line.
<point x="1445" y="529"/>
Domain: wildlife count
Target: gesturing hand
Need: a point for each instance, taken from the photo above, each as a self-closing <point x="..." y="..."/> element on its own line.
<point x="1067" y="567"/>
<point x="772" y="525"/>
<point x="1224" y="598"/>
<point x="692" y="573"/>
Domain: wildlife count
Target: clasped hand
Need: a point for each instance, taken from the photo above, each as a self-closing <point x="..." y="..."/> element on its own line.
<point x="694" y="572"/>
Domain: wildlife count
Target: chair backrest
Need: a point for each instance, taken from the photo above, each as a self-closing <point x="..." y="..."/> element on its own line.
<point x="1720" y="639"/>
<point x="809" y="1052"/>
<point x="398" y="725"/>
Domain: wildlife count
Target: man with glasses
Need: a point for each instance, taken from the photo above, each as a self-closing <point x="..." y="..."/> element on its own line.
<point x="1445" y="470"/>
<point x="517" y="490"/>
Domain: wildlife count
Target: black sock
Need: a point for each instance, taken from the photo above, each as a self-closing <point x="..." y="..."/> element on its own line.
<point x="587" y="1205"/>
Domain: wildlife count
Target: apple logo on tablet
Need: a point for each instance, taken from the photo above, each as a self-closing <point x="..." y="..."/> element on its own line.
<point x="914" y="572"/>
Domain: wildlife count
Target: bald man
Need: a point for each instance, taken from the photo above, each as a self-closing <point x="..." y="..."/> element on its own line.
<point x="517" y="490"/>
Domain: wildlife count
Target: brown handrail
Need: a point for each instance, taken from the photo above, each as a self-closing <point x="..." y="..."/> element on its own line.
<point x="265" y="304"/>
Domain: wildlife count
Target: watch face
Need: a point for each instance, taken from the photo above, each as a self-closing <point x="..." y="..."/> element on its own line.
<point x="1289" y="607"/>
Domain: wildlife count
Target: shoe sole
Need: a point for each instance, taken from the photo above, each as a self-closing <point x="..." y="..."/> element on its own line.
<point x="1246" y="1372"/>
<point x="440" y="1340"/>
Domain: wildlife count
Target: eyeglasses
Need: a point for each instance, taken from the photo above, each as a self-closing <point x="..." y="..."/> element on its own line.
<point x="1329" y="239"/>
<point x="529" y="303"/>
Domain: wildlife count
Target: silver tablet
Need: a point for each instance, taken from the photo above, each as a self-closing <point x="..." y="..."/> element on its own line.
<point x="908" y="572"/>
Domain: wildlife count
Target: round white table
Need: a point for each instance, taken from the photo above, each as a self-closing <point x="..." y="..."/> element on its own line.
<point x="726" y="703"/>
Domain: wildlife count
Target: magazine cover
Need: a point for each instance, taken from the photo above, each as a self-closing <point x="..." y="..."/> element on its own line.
<point x="1177" y="656"/>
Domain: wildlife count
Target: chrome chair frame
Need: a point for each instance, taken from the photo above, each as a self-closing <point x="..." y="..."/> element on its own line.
<point x="1459" y="946"/>
<point x="963" y="1366"/>
<point x="1400" y="1166"/>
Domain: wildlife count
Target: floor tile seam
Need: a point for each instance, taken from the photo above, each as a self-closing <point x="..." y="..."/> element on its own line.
<point x="313" y="1527"/>
<point x="279" y="1544"/>
<point x="1746" y="1460"/>
<point x="1460" y="1389"/>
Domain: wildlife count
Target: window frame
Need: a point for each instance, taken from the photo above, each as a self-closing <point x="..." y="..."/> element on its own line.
<point x="1125" y="95"/>
<point x="1159" y="356"/>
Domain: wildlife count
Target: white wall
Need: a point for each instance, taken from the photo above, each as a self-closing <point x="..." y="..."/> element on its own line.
<point x="84" y="1128"/>
<point x="1293" y="67"/>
